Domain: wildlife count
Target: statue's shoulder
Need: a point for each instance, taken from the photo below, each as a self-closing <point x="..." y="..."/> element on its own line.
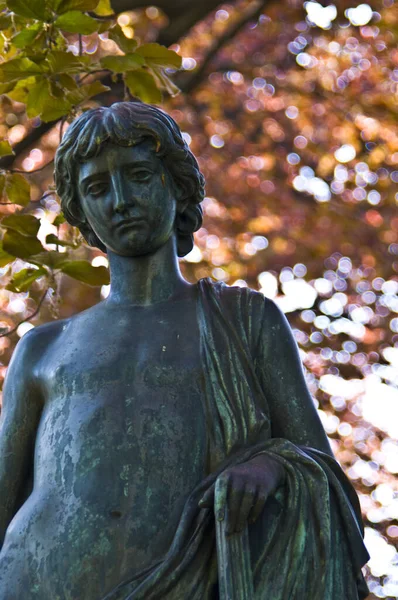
<point x="238" y="298"/>
<point x="38" y="337"/>
<point x="254" y="316"/>
<point x="31" y="349"/>
<point x="48" y="332"/>
<point x="243" y="309"/>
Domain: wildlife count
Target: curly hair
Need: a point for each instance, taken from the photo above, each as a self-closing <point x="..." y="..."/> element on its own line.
<point x="128" y="124"/>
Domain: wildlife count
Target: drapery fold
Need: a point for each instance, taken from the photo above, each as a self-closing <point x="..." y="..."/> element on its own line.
<point x="308" y="542"/>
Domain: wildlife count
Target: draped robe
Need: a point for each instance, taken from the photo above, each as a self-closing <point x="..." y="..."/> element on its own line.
<point x="308" y="542"/>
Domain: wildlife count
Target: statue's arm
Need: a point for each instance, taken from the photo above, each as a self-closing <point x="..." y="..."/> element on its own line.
<point x="245" y="487"/>
<point x="292" y="410"/>
<point x="19" y="420"/>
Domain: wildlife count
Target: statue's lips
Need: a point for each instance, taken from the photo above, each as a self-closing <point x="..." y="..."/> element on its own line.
<point x="130" y="222"/>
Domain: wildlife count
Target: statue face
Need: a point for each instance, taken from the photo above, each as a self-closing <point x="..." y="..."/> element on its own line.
<point x="128" y="198"/>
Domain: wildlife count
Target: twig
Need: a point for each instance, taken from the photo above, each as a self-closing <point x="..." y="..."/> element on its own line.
<point x="250" y="15"/>
<point x="92" y="73"/>
<point x="46" y="195"/>
<point x="43" y="197"/>
<point x="34" y="313"/>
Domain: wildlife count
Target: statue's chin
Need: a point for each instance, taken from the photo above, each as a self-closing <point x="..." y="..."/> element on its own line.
<point x="134" y="254"/>
<point x="136" y="250"/>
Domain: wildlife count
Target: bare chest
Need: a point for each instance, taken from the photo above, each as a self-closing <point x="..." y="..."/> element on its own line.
<point x="141" y="353"/>
<point x="123" y="399"/>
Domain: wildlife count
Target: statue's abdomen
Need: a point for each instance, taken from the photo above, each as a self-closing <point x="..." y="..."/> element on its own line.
<point x="117" y="455"/>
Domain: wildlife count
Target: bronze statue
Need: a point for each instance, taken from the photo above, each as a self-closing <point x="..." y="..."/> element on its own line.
<point x="165" y="412"/>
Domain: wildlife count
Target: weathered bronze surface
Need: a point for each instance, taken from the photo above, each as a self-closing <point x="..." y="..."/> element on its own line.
<point x="165" y="412"/>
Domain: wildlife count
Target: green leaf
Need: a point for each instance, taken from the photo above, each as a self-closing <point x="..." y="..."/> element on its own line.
<point x="27" y="36"/>
<point x="5" y="22"/>
<point x="105" y="25"/>
<point x="72" y="5"/>
<point x="20" y="90"/>
<point x="77" y="22"/>
<point x="93" y="89"/>
<point x="157" y="55"/>
<point x="5" y="258"/>
<point x="24" y="279"/>
<point x="120" y="64"/>
<point x="37" y="98"/>
<point x="19" y="68"/>
<point x="53" y="5"/>
<point x="18" y="190"/>
<point x="60" y="62"/>
<point x="30" y="9"/>
<point x="24" y="224"/>
<point x="59" y="219"/>
<point x="104" y="8"/>
<point x="19" y="245"/>
<point x="82" y="270"/>
<point x="165" y="82"/>
<point x="53" y="239"/>
<point x="5" y="148"/>
<point x="143" y="85"/>
<point x="86" y="92"/>
<point x="50" y="258"/>
<point x="6" y="87"/>
<point x="66" y="81"/>
<point x="125" y="44"/>
<point x="42" y="102"/>
<point x="58" y="109"/>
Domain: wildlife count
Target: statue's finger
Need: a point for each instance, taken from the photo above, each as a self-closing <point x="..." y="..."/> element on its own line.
<point x="246" y="506"/>
<point x="258" y="507"/>
<point x="207" y="500"/>
<point x="221" y="495"/>
<point x="235" y="498"/>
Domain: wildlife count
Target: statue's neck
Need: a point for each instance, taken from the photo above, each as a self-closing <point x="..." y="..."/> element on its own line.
<point x="145" y="280"/>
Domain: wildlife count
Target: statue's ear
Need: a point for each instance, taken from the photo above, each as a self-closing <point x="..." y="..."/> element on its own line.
<point x="189" y="219"/>
<point x="182" y="205"/>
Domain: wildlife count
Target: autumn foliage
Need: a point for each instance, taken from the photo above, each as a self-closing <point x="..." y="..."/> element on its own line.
<point x="291" y="111"/>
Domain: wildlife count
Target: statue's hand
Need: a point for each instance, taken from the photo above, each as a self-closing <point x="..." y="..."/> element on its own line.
<point x="242" y="491"/>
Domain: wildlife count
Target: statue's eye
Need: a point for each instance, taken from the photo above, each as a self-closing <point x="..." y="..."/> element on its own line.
<point x="97" y="189"/>
<point x="140" y="174"/>
<point x="143" y="175"/>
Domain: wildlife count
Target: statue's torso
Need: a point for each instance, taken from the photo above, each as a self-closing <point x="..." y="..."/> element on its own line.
<point x="121" y="443"/>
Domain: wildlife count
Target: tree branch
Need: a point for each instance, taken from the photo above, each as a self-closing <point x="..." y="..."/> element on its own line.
<point x="254" y="11"/>
<point x="34" y="313"/>
<point x="182" y="14"/>
<point x="33" y="136"/>
<point x="181" y="22"/>
<point x="172" y="8"/>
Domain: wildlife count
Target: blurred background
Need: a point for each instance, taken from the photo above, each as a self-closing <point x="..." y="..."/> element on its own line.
<point x="291" y="110"/>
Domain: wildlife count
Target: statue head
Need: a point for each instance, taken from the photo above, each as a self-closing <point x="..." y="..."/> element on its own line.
<point x="129" y="124"/>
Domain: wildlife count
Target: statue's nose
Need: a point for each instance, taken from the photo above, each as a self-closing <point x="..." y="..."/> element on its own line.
<point x="121" y="197"/>
<point x="120" y="204"/>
